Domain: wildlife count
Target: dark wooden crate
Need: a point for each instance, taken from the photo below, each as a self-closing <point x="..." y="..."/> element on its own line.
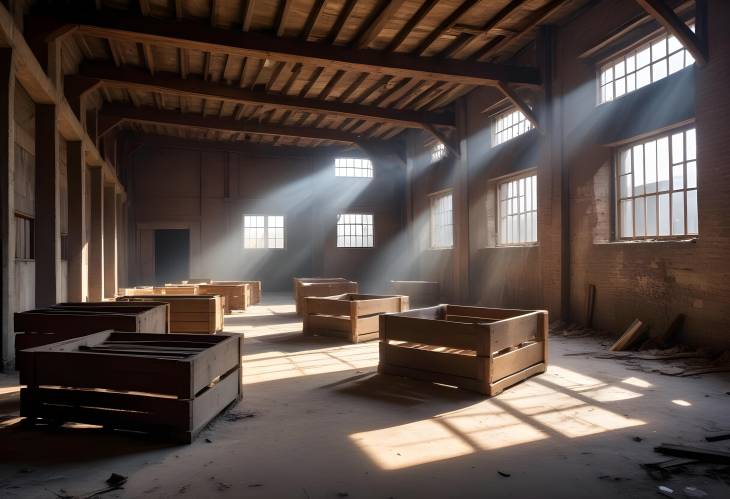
<point x="475" y="348"/>
<point x="70" y="320"/>
<point x="165" y="384"/>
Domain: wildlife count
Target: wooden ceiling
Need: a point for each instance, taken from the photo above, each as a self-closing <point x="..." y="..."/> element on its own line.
<point x="292" y="72"/>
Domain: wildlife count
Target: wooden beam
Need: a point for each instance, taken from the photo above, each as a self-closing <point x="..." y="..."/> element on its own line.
<point x="446" y="24"/>
<point x="195" y="36"/>
<point x="406" y="30"/>
<point x="137" y="79"/>
<point x="282" y="16"/>
<point x="518" y="102"/>
<point x="444" y="140"/>
<point x="340" y="21"/>
<point x="144" y="7"/>
<point x="313" y="17"/>
<point x="386" y="11"/>
<point x="149" y="59"/>
<point x="115" y="114"/>
<point x="248" y="6"/>
<point x="178" y="9"/>
<point x="665" y="16"/>
<point x="213" y="12"/>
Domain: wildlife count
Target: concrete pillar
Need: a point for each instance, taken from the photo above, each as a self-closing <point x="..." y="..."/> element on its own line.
<point x="77" y="247"/>
<point x="96" y="241"/>
<point x="7" y="207"/>
<point x="110" y="241"/>
<point x="47" y="207"/>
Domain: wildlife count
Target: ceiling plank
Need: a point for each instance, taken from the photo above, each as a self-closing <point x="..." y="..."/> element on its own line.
<point x="666" y="16"/>
<point x="341" y="20"/>
<point x="114" y="114"/>
<point x="195" y="36"/>
<point x="149" y="59"/>
<point x="414" y="21"/>
<point x="313" y="17"/>
<point x="248" y="6"/>
<point x="282" y="16"/>
<point x="170" y="83"/>
<point x="447" y="23"/>
<point x="386" y="11"/>
<point x="178" y="9"/>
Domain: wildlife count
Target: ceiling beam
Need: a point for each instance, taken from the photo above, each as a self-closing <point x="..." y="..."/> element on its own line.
<point x="406" y="30"/>
<point x="519" y="103"/>
<point x="170" y="83"/>
<point x="445" y="25"/>
<point x="666" y="16"/>
<point x="111" y="115"/>
<point x="196" y="36"/>
<point x="388" y="9"/>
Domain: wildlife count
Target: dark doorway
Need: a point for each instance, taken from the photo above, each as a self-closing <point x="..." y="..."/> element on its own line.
<point x="172" y="255"/>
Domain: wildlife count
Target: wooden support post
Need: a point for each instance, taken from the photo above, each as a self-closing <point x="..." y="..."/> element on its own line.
<point x="96" y="241"/>
<point x="461" y="210"/>
<point x="121" y="242"/>
<point x="110" y="241"/>
<point x="47" y="207"/>
<point x="77" y="250"/>
<point x="7" y="206"/>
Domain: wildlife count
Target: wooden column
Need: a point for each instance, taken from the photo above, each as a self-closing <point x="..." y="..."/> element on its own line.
<point x="47" y="207"/>
<point x="461" y="210"/>
<point x="552" y="189"/>
<point x="110" y="241"/>
<point x="77" y="248"/>
<point x="7" y="206"/>
<point x="96" y="241"/>
<point x="121" y="241"/>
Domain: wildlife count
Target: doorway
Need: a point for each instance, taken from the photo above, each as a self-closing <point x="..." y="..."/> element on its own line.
<point x="172" y="255"/>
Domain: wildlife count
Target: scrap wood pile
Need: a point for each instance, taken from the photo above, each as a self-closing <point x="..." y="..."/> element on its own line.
<point x="641" y="350"/>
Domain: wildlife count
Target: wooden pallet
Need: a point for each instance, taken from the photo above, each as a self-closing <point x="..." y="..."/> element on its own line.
<point x="481" y="349"/>
<point x="421" y="293"/>
<point x="70" y="320"/>
<point x="350" y="316"/>
<point x="236" y="296"/>
<point x="320" y="286"/>
<point x="166" y="384"/>
<point x="189" y="314"/>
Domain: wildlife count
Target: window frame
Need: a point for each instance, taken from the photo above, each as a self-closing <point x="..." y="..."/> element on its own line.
<point x="616" y="194"/>
<point x="432" y="199"/>
<point x="337" y="227"/>
<point x="621" y="55"/>
<point x="502" y="114"/>
<point x="438" y="152"/>
<point x="369" y="167"/>
<point x="266" y="231"/>
<point x="512" y="177"/>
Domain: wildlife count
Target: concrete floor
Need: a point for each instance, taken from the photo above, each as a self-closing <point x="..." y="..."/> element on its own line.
<point x="324" y="425"/>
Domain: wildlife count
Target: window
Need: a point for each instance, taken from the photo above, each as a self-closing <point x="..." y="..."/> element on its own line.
<point x="657" y="187"/>
<point x="354" y="230"/>
<point x="509" y="125"/>
<point x="263" y="231"/>
<point x="442" y="221"/>
<point x="353" y="167"/>
<point x="438" y="152"/>
<point x="24" y="237"/>
<point x="517" y="210"/>
<point x="649" y="62"/>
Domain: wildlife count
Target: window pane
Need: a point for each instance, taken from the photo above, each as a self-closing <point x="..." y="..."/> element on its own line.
<point x="692" y="212"/>
<point x="678" y="213"/>
<point x="664" y="215"/>
<point x="691" y="174"/>
<point x="651" y="216"/>
<point x="627" y="218"/>
<point x="663" y="164"/>
<point x="639" y="217"/>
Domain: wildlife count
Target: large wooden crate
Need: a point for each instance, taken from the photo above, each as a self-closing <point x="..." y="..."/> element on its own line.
<point x="70" y="320"/>
<point x="350" y="316"/>
<point x="176" y="289"/>
<point x="320" y="287"/>
<point x="165" y="384"/>
<point x="421" y="293"/>
<point x="253" y="290"/>
<point x="475" y="348"/>
<point x="237" y="295"/>
<point x="137" y="291"/>
<point x="189" y="314"/>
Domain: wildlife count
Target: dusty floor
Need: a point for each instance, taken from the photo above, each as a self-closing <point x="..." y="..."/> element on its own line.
<point x="324" y="425"/>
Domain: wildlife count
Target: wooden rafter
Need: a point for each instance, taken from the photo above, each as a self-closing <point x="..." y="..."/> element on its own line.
<point x="213" y="13"/>
<point x="406" y="30"/>
<point x="384" y="12"/>
<point x="519" y="103"/>
<point x="196" y="36"/>
<point x="282" y="16"/>
<point x="149" y="59"/>
<point x="178" y="9"/>
<point x="169" y="83"/>
<point x="665" y="16"/>
<point x="341" y="20"/>
<point x="248" y="6"/>
<point x="445" y="25"/>
<point x="114" y="114"/>
<point x="313" y="17"/>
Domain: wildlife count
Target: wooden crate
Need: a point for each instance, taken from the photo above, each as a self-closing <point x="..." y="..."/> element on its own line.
<point x="189" y="314"/>
<point x="176" y="289"/>
<point x="254" y="289"/>
<point x="70" y="320"/>
<point x="299" y="281"/>
<point x="320" y="287"/>
<point x="137" y="291"/>
<point x="475" y="348"/>
<point x="165" y="384"/>
<point x="350" y="316"/>
<point x="420" y="293"/>
<point x="196" y="281"/>
<point x="236" y="295"/>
